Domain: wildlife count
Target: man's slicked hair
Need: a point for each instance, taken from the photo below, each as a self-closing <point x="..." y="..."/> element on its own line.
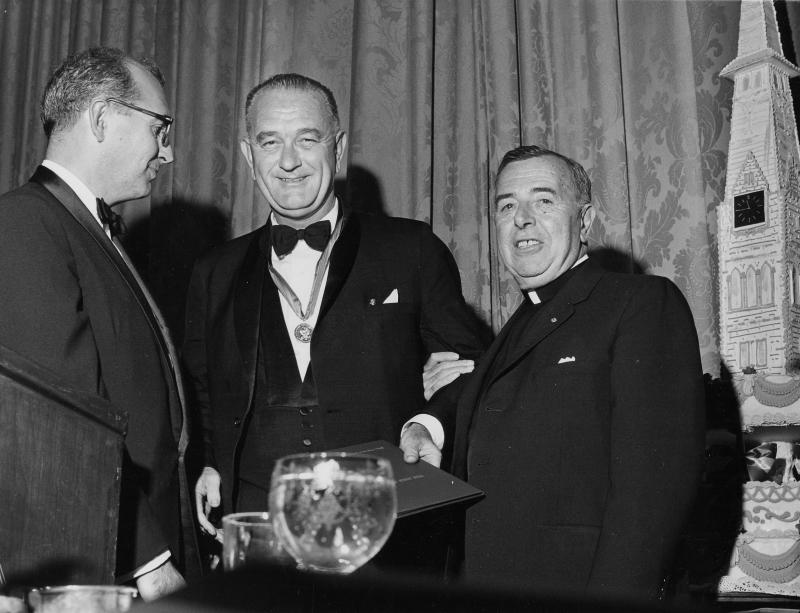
<point x="296" y="81"/>
<point x="581" y="184"/>
<point x="99" y="72"/>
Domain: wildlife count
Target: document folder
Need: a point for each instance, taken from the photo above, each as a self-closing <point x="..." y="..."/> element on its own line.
<point x="421" y="486"/>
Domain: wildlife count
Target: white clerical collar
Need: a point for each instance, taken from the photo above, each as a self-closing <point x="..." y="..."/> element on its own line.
<point x="534" y="297"/>
<point x="76" y="185"/>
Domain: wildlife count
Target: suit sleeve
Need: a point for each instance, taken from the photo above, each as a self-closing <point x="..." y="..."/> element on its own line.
<point x="448" y="323"/>
<point x="41" y="299"/>
<point x="656" y="435"/>
<point x="44" y="319"/>
<point x="194" y="356"/>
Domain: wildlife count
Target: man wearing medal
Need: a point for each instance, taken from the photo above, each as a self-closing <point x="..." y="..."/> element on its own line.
<point x="311" y="332"/>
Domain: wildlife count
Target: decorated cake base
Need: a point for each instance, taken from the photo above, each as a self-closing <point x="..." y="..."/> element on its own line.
<point x="766" y="558"/>
<point x="769" y="400"/>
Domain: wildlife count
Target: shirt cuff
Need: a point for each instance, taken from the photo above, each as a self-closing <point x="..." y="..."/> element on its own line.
<point x="433" y="425"/>
<point x="150" y="566"/>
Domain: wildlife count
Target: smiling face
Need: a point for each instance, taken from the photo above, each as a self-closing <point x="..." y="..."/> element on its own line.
<point x="541" y="228"/>
<point x="135" y="153"/>
<point x="294" y="151"/>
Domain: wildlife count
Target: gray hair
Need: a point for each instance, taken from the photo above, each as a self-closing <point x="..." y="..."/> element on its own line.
<point x="581" y="184"/>
<point x="99" y="72"/>
<point x="292" y="81"/>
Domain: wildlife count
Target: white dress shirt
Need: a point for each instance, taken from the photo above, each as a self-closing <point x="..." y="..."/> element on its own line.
<point x="76" y="185"/>
<point x="297" y="268"/>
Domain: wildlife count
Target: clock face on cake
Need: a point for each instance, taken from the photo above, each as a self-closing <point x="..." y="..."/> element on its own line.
<point x="748" y="209"/>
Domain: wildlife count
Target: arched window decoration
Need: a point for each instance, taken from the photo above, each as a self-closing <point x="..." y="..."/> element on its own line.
<point x="735" y="290"/>
<point x="761" y="352"/>
<point x="793" y="284"/>
<point x="796" y="283"/>
<point x="758" y="80"/>
<point x="751" y="288"/>
<point x="746" y="83"/>
<point x="744" y="355"/>
<point x="767" y="281"/>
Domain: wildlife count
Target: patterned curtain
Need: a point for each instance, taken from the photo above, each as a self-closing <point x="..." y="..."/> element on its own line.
<point x="432" y="92"/>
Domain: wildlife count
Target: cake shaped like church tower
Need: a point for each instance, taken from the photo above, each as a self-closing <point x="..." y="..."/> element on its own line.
<point x="759" y="221"/>
<point x="759" y="273"/>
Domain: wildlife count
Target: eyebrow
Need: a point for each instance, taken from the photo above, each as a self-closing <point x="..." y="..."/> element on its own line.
<point x="533" y="190"/>
<point x="300" y="132"/>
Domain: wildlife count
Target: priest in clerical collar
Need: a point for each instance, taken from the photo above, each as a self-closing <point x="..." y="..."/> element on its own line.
<point x="583" y="422"/>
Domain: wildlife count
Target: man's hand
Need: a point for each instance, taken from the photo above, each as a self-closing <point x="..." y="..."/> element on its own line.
<point x="206" y="497"/>
<point x="159" y="582"/>
<point x="417" y="444"/>
<point x="443" y="367"/>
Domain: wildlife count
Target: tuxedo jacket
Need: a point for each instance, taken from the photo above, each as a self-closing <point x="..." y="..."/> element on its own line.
<point x="366" y="356"/>
<point x="584" y="425"/>
<point x="69" y="302"/>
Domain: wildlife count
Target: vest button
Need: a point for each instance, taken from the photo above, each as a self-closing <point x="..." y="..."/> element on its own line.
<point x="304" y="411"/>
<point x="237" y="422"/>
<point x="307" y="442"/>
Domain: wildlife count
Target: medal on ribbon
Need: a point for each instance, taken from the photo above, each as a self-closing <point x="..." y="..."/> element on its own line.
<point x="304" y="331"/>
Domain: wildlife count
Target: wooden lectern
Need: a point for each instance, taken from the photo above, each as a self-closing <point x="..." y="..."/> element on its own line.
<point x="60" y="467"/>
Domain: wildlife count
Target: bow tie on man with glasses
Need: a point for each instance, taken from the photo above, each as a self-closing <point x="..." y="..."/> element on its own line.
<point x="73" y="302"/>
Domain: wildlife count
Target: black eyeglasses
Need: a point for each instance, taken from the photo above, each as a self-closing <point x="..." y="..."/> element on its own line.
<point x="162" y="133"/>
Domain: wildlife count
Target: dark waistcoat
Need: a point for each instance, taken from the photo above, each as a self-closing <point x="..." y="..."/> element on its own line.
<point x="285" y="417"/>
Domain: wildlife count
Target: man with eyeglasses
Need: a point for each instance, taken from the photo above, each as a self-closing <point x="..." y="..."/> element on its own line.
<point x="72" y="301"/>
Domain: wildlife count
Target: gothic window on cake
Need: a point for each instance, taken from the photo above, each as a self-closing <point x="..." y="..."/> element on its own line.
<point x="767" y="296"/>
<point x="751" y="288"/>
<point x="793" y="284"/>
<point x="735" y="290"/>
<point x="761" y="352"/>
<point x="744" y="354"/>
<point x="796" y="284"/>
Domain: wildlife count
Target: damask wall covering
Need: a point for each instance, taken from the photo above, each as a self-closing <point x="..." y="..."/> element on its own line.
<point x="432" y="92"/>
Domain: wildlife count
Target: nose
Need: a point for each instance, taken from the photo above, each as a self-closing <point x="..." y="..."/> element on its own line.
<point x="165" y="153"/>
<point x="289" y="158"/>
<point x="524" y="216"/>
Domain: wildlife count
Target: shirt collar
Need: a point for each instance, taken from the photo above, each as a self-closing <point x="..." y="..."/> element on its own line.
<point x="541" y="294"/>
<point x="76" y="185"/>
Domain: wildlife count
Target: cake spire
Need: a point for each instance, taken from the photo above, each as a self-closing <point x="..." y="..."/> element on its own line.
<point x="759" y="39"/>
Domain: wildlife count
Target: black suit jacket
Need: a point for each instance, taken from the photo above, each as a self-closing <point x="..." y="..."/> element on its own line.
<point x="366" y="356"/>
<point x="69" y="302"/>
<point x="585" y="429"/>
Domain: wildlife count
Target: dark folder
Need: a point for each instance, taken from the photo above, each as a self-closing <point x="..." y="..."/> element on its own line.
<point x="420" y="486"/>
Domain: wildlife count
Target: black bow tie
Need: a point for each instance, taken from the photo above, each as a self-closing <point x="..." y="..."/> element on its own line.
<point x="109" y="218"/>
<point x="284" y="238"/>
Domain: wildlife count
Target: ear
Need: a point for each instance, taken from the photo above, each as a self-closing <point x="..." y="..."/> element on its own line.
<point x="244" y="145"/>
<point x="97" y="114"/>
<point x="586" y="219"/>
<point x="341" y="145"/>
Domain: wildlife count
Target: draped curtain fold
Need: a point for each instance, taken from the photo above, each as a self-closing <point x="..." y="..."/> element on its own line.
<point x="432" y="93"/>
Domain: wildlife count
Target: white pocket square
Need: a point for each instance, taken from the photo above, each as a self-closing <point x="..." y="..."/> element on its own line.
<point x="566" y="359"/>
<point x="391" y="298"/>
